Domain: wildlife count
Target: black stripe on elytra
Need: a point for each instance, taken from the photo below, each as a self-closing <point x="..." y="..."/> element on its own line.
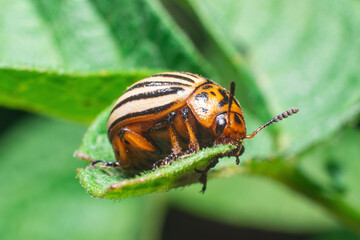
<point x="156" y="84"/>
<point x="198" y="76"/>
<point x="174" y="76"/>
<point x="191" y="74"/>
<point x="154" y="110"/>
<point x="225" y="99"/>
<point x="152" y="94"/>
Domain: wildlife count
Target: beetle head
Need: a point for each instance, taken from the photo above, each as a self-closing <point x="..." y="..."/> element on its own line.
<point x="228" y="127"/>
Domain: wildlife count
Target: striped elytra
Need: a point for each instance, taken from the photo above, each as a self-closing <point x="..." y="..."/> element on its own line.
<point x="170" y="115"/>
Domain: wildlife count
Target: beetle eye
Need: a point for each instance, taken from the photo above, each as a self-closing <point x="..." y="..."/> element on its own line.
<point x="220" y="125"/>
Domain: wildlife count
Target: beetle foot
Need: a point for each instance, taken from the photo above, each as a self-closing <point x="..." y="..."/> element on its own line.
<point x="187" y="153"/>
<point x="237" y="160"/>
<point x="93" y="163"/>
<point x="105" y="164"/>
<point x="203" y="180"/>
<point x="165" y="161"/>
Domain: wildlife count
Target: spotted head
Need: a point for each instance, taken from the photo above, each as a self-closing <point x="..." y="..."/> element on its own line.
<point x="218" y="110"/>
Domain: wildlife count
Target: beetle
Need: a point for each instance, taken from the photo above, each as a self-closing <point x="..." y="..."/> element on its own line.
<point x="174" y="114"/>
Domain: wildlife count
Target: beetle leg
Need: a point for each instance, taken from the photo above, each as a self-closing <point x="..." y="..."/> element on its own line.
<point x="203" y="176"/>
<point x="175" y="146"/>
<point x="194" y="144"/>
<point x="136" y="140"/>
<point x="203" y="180"/>
<point x="175" y="149"/>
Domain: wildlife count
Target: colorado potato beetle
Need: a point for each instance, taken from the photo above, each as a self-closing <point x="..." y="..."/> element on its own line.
<point x="173" y="114"/>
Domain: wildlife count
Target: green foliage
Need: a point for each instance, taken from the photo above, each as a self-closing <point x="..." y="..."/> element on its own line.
<point x="74" y="96"/>
<point x="73" y="59"/>
<point x="90" y="35"/>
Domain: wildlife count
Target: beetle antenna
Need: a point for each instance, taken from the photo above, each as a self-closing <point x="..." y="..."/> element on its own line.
<point x="231" y="97"/>
<point x="279" y="117"/>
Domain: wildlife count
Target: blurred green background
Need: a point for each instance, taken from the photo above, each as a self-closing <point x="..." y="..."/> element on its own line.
<point x="62" y="62"/>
